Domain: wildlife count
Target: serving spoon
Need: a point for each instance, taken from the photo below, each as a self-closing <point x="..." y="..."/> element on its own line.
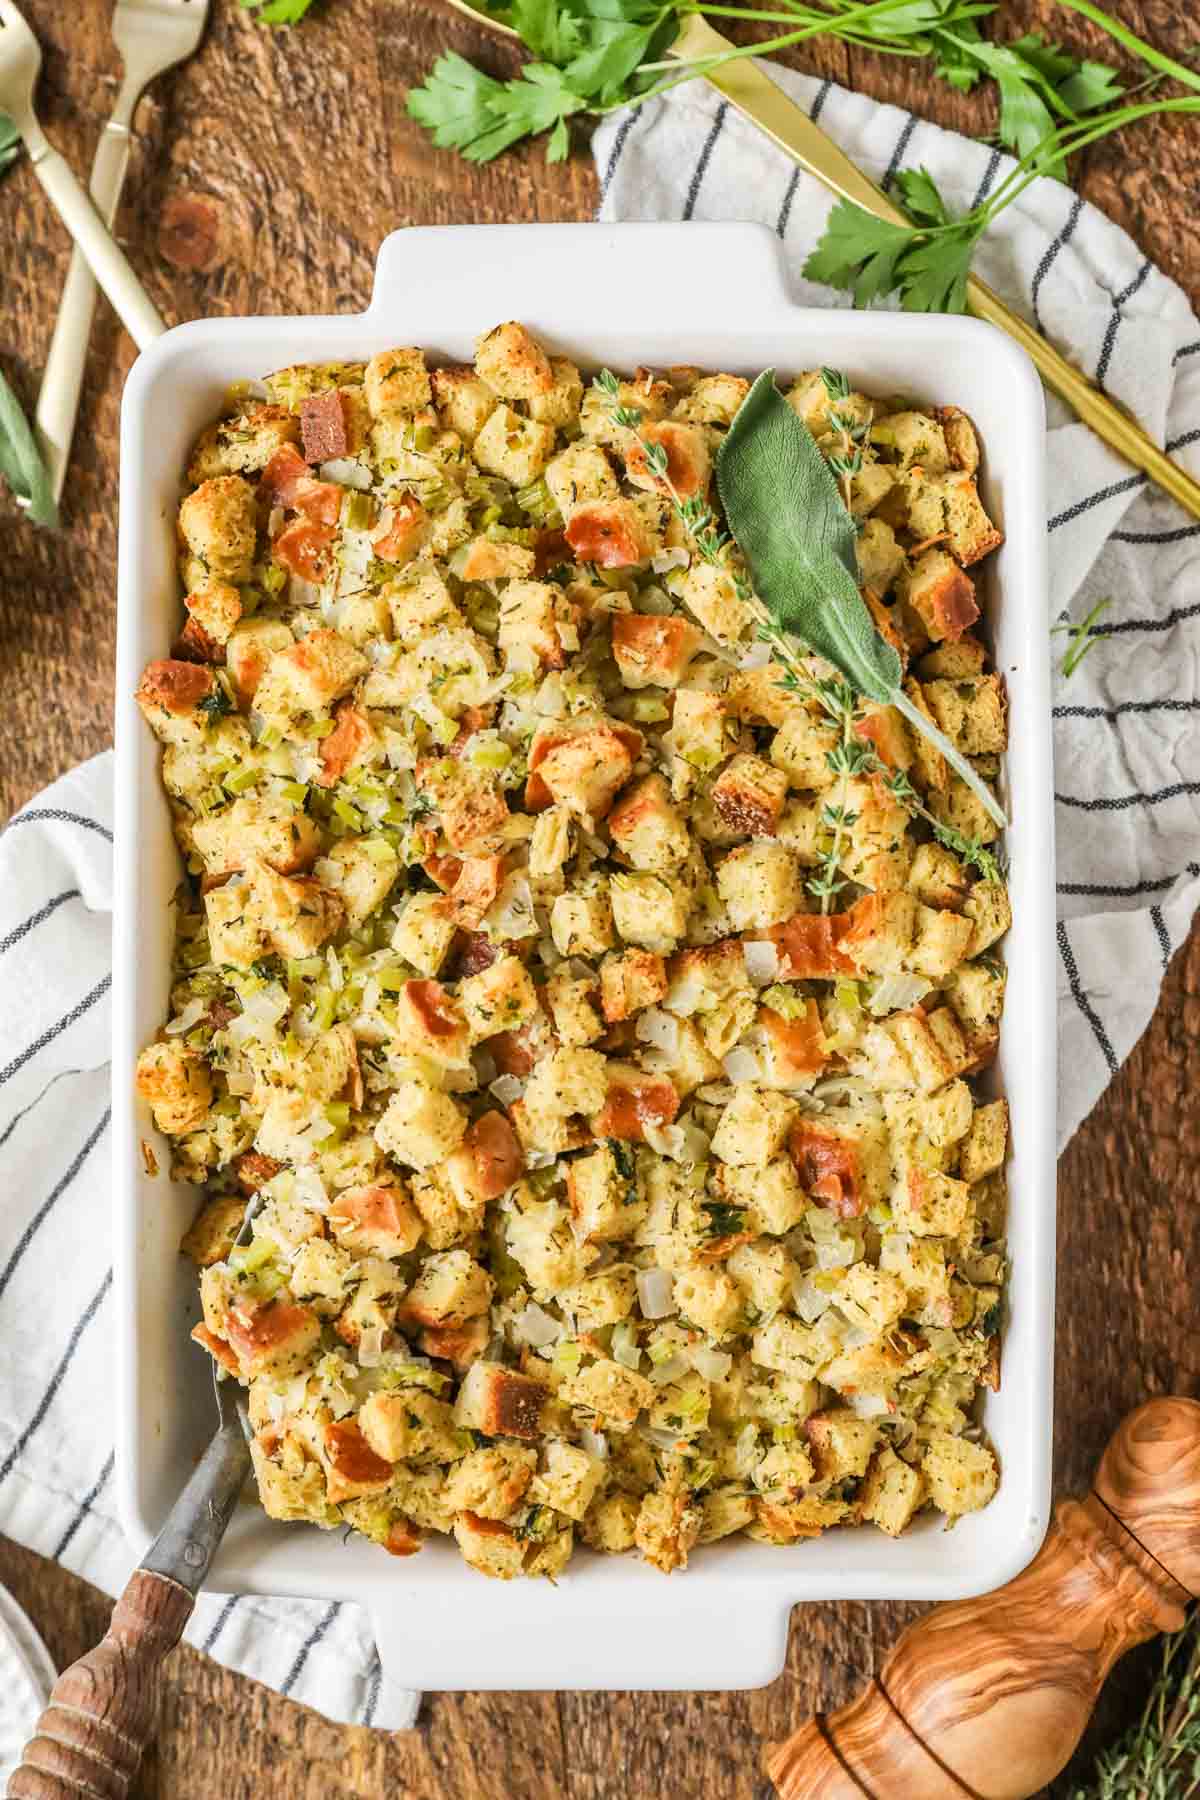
<point x="100" y="1715"/>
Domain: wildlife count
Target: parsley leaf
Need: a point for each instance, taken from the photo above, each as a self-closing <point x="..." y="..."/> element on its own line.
<point x="926" y="263"/>
<point x="467" y="111"/>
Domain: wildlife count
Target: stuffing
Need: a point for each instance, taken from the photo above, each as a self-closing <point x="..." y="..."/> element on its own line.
<point x="450" y="1289"/>
<point x="579" y="475"/>
<point x="760" y="884"/>
<point x="650" y="910"/>
<point x="753" y="1127"/>
<point x="515" y="448"/>
<point x="710" y="596"/>
<point x="629" y="982"/>
<point x="463" y="401"/>
<point x="500" y="1402"/>
<point x="651" y="650"/>
<point x="513" y="364"/>
<point x="420" y="1126"/>
<point x="648" y="828"/>
<point x="748" y="795"/>
<point x="218" y="522"/>
<point x="176" y="1085"/>
<point x="396" y="381"/>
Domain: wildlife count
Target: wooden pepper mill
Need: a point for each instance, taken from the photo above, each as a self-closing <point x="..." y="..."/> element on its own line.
<point x="986" y="1699"/>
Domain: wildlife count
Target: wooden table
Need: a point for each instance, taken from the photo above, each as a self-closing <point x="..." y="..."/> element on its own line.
<point x="266" y="173"/>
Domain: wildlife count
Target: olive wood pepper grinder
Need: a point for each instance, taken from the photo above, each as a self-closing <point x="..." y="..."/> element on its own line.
<point x="986" y="1699"/>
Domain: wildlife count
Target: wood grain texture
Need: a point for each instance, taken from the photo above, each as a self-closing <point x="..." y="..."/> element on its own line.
<point x="265" y="174"/>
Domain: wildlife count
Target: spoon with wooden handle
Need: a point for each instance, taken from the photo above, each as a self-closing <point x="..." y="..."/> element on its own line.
<point x="986" y="1699"/>
<point x="89" y="1741"/>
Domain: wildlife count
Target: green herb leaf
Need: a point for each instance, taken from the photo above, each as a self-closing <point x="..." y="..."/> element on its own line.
<point x="10" y="142"/>
<point x="926" y="263"/>
<point x="466" y="110"/>
<point x="21" y="460"/>
<point x="785" y="512"/>
<point x="276" y="12"/>
<point x="1081" y="637"/>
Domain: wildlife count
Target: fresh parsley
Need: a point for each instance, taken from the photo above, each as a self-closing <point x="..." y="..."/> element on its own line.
<point x="21" y="460"/>
<point x="723" y="1220"/>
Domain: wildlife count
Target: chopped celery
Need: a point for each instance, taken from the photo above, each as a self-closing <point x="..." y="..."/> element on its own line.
<point x="648" y="709"/>
<point x="349" y="815"/>
<point x="360" y="511"/>
<point x="392" y="978"/>
<point x="495" y="755"/>
<point x="379" y="850"/>
<point x="240" y="780"/>
<point x="295" y="790"/>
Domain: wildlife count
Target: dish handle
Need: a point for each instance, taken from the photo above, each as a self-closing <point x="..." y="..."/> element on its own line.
<point x="532" y="264"/>
<point x="578" y="1635"/>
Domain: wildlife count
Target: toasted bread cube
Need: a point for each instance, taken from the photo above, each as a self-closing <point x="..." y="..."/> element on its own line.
<point x="578" y="475"/>
<point x="872" y="1299"/>
<point x="962" y="1476"/>
<point x="420" y="1126"/>
<point x="990" y="912"/>
<point x="235" y="936"/>
<point x="686" y="452"/>
<point x="770" y="1195"/>
<point x="567" y="1081"/>
<point x="242" y="445"/>
<point x="710" y="1298"/>
<point x="973" y="714"/>
<point x="709" y="594"/>
<point x="614" y="534"/>
<point x="765" y="1273"/>
<point x="698" y="729"/>
<point x="275" y="1339"/>
<point x="930" y="1204"/>
<point x="515" y="448"/>
<point x="500" y="998"/>
<point x="446" y="1218"/>
<point x="488" y="561"/>
<point x="788" y="1346"/>
<point x="531" y="613"/>
<point x="955" y="805"/>
<point x="938" y="879"/>
<point x="913" y="438"/>
<point x="942" y="940"/>
<point x="396" y="381"/>
<point x="603" y="1194"/>
<point x="600" y="1300"/>
<point x="801" y="749"/>
<point x="753" y="1127"/>
<point x="400" y="1425"/>
<point x="420" y="604"/>
<point x="760" y="884"/>
<point x="425" y="931"/>
<point x="431" y="1023"/>
<point x="450" y="1289"/>
<point x="648" y="828"/>
<point x="489" y="1546"/>
<point x="712" y="400"/>
<point x="491" y="1482"/>
<point x="171" y="696"/>
<point x="667" y="1528"/>
<point x="962" y="445"/>
<point x="811" y="401"/>
<point x="513" y="363"/>
<point x="571" y="1000"/>
<point x="614" y="1393"/>
<point x="587" y="771"/>
<point x="296" y="912"/>
<point x="268" y="829"/>
<point x="881" y="932"/>
<point x="652" y="650"/>
<point x="869" y="486"/>
<point x="363" y="875"/>
<point x="972" y="533"/>
<point x="649" y="910"/>
<point x="629" y="982"/>
<point x="209" y="1238"/>
<point x="610" y="1522"/>
<point x="471" y="806"/>
<point x="559" y="405"/>
<point x="962" y="660"/>
<point x="702" y="979"/>
<point x="941" y="594"/>
<point x="176" y="1084"/>
<point x="570" y="1480"/>
<point x="310" y="675"/>
<point x="891" y="1492"/>
<point x="846" y="1167"/>
<point x="218" y="522"/>
<point x="987" y="1142"/>
<point x="748" y="795"/>
<point x="463" y="401"/>
<point x="375" y="1221"/>
<point x="352" y="1468"/>
<point x="486" y="1165"/>
<point x="320" y="1275"/>
<point x="500" y="1403"/>
<point x="581" y="921"/>
<point x="880" y="558"/>
<point x="213" y="609"/>
<point x="841" y="1443"/>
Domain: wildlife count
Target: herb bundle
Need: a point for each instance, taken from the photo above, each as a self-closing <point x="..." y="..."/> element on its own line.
<point x="597" y="55"/>
<point x="1159" y="1757"/>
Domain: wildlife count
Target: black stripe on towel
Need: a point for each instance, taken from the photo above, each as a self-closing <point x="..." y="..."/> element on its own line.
<point x="623" y="131"/>
<point x="1110" y="333"/>
<point x="910" y="125"/>
<point x="1052" y="249"/>
<point x="56" y="1380"/>
<point x="1081" y="1000"/>
<point x="84" y="1508"/>
<point x="219" y="1625"/>
<point x="693" y="193"/>
<point x="67" y="818"/>
<point x="310" y="1643"/>
<point x="49" y="1203"/>
<point x="64" y="1024"/>
<point x="1122" y="802"/>
<point x="43" y="912"/>
<point x="1162" y="934"/>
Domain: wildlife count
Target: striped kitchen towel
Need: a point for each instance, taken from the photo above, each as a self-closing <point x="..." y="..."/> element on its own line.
<point x="56" y="1325"/>
<point x="1127" y="722"/>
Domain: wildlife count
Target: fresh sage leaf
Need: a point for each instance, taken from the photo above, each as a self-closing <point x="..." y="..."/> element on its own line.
<point x="21" y="460"/>
<point x="784" y="510"/>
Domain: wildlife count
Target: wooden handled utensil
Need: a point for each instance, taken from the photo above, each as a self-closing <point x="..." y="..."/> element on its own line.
<point x="986" y="1699"/>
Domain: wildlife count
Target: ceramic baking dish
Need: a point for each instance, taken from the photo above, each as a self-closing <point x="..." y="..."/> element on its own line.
<point x="715" y="295"/>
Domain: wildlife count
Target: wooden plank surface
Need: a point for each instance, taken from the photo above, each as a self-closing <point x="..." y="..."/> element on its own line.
<point x="265" y="173"/>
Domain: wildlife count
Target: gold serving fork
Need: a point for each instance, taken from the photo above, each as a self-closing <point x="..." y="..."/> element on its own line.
<point x="152" y="36"/>
<point x="751" y="91"/>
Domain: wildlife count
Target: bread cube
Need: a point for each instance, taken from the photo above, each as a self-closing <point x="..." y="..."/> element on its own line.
<point x="955" y="805"/>
<point x="531" y="613"/>
<point x="550" y="845"/>
<point x="491" y="1482"/>
<point x="567" y="1081"/>
<point x="172" y="697"/>
<point x="275" y="1339"/>
<point x="845" y="1166"/>
<point x="402" y="1424"/>
<point x="463" y="401"/>
<point x="270" y="829"/>
<point x="765" y="1274"/>
<point x="973" y="714"/>
<point x="629" y="982"/>
<point x="489" y="1546"/>
<point x="614" y="534"/>
<point x="771" y="1195"/>
<point x="653" y="650"/>
<point x="581" y="921"/>
<point x="614" y="1393"/>
<point x="986" y="1143"/>
<point x="942" y="940"/>
<point x="872" y="1299"/>
<point x="709" y="1298"/>
<point x="447" y="1214"/>
<point x="218" y="522"/>
<point x="176" y="1084"/>
<point x="320" y="1275"/>
<point x="396" y="381"/>
<point x="891" y="1492"/>
<point x="760" y="884"/>
<point x="572" y="1006"/>
<point x="930" y="1204"/>
<point x="990" y="912"/>
<point x="500" y="1403"/>
<point x="962" y="1475"/>
<point x="513" y="363"/>
<point x="880" y="557"/>
<point x="709" y="594"/>
<point x="748" y="795"/>
<point x="514" y="448"/>
<point x="500" y="998"/>
<point x="940" y="593"/>
<point x="362" y="875"/>
<point x="603" y="1194"/>
<point x="431" y="1024"/>
<point x="610" y="1522"/>
<point x="811" y="401"/>
<point x="420" y="1126"/>
<point x="587" y="770"/>
<point x="976" y="993"/>
<point x="420" y="604"/>
<point x="603" y="1299"/>
<point x="579" y="474"/>
<point x="450" y="1289"/>
<point x="242" y="445"/>
<point x="310" y="675"/>
<point x="801" y="749"/>
<point x="699" y="733"/>
<point x="753" y="1127"/>
<point x="425" y="931"/>
<point x="375" y="1221"/>
<point x="785" y="1344"/>
<point x="560" y="404"/>
<point x="209" y="1238"/>
<point x="570" y="1479"/>
<point x="938" y="878"/>
<point x="667" y="1528"/>
<point x="650" y="911"/>
<point x="647" y="828"/>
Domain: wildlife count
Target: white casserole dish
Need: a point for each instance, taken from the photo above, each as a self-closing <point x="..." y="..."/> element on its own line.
<point x="715" y="295"/>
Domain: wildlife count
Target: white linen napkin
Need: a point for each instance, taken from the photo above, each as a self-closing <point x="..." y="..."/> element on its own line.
<point x="56" y="1328"/>
<point x="1127" y="723"/>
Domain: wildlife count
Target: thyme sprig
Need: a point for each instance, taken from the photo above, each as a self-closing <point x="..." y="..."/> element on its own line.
<point x="847" y="460"/>
<point x="1159" y="1757"/>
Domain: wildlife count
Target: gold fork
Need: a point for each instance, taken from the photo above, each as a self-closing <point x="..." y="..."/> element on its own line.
<point x="748" y="88"/>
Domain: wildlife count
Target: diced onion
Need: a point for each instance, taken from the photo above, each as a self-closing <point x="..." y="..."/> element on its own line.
<point x="714" y="1365"/>
<point x="191" y="1015"/>
<point x="667" y="1140"/>
<point x="370" y="1347"/>
<point x="594" y="1442"/>
<point x="656" y="1293"/>
<point x="625" y="1346"/>
<point x="745" y="1449"/>
<point x="811" y="1301"/>
<point x="348" y="471"/>
<point x="756" y="657"/>
<point x="741" y="1064"/>
<point x="506" y="1089"/>
<point x="658" y="1028"/>
<point x="537" y="1327"/>
<point x="670" y="559"/>
<point x="511" y="914"/>
<point x="310" y="1190"/>
<point x="897" y="993"/>
<point x="762" y="961"/>
<point x="867" y="1406"/>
